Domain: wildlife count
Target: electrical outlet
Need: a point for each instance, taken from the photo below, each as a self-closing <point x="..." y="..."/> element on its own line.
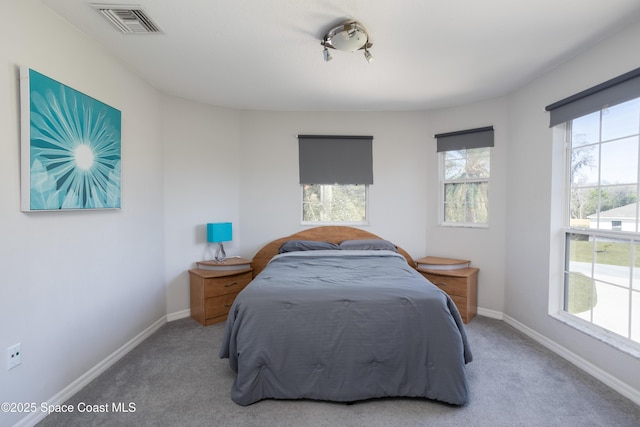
<point x="14" y="356"/>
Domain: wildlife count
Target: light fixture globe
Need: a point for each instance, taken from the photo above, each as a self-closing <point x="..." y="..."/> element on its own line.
<point x="347" y="37"/>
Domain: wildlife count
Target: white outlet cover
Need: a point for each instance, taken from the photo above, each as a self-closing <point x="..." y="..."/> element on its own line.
<point x="14" y="356"/>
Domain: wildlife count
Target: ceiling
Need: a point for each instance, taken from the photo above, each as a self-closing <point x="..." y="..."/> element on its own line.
<point x="266" y="54"/>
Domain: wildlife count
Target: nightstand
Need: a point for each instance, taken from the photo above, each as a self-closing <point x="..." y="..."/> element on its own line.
<point x="457" y="279"/>
<point x="215" y="285"/>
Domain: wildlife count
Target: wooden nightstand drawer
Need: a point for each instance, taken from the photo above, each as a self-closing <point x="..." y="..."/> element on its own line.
<point x="226" y="285"/>
<point x="218" y="306"/>
<point x="451" y="285"/>
<point x="212" y="291"/>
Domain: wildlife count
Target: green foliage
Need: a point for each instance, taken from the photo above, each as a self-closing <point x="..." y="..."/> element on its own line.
<point x="609" y="198"/>
<point x="588" y="194"/>
<point x="581" y="293"/>
<point x="334" y="203"/>
<point x="606" y="252"/>
<point x="466" y="202"/>
<point x="466" y="190"/>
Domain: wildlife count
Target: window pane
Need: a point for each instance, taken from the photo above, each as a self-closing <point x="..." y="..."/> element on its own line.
<point x="466" y="202"/>
<point x="454" y="168"/>
<point x="455" y="154"/>
<point x="581" y="296"/>
<point x="580" y="248"/>
<point x="619" y="162"/>
<point x="465" y="186"/>
<point x="478" y="163"/>
<point x="586" y="129"/>
<point x="621" y="120"/>
<point x="606" y="208"/>
<point x="612" y="308"/>
<point x="612" y="261"/>
<point x="618" y="206"/>
<point x="333" y="203"/>
<point x="467" y="164"/>
<point x="454" y="202"/>
<point x="584" y="166"/>
<point x="312" y="209"/>
<point x="583" y="203"/>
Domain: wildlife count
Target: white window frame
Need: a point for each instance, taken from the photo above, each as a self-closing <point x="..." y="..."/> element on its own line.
<point x="441" y="192"/>
<point x="347" y="223"/>
<point x="557" y="298"/>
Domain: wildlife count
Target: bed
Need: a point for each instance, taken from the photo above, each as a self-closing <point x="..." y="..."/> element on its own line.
<point x="347" y="318"/>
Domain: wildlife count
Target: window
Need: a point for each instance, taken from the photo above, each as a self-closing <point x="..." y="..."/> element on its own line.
<point x="602" y="278"/>
<point x="601" y="218"/>
<point x="465" y="186"/>
<point x="335" y="174"/>
<point x="464" y="159"/>
<point x="345" y="204"/>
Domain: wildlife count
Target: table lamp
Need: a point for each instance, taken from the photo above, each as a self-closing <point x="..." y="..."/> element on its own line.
<point x="218" y="232"/>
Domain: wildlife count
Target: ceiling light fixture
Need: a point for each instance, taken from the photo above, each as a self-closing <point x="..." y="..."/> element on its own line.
<point x="367" y="55"/>
<point x="348" y="37"/>
<point x="326" y="55"/>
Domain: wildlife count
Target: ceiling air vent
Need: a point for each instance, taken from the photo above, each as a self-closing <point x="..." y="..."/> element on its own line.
<point x="129" y="19"/>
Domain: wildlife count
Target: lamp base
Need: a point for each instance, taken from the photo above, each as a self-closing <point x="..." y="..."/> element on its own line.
<point x="220" y="253"/>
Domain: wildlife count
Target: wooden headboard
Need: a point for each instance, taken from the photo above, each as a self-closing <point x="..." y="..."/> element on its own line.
<point x="331" y="233"/>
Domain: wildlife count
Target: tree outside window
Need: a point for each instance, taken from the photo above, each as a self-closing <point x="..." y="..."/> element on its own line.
<point x="465" y="186"/>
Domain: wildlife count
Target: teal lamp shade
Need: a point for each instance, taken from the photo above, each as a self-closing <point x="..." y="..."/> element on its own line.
<point x="218" y="232"/>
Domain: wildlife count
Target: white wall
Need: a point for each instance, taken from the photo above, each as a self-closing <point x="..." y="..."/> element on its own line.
<point x="533" y="252"/>
<point x="201" y="184"/>
<point x="485" y="247"/>
<point x="74" y="286"/>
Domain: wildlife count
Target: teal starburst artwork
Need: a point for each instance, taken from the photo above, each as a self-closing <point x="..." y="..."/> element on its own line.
<point x="72" y="145"/>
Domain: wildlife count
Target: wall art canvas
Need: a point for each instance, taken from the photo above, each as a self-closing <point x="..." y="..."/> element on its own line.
<point x="70" y="147"/>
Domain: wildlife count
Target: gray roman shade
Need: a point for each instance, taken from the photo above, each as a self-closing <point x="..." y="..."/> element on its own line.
<point x="330" y="159"/>
<point x="615" y="91"/>
<point x="465" y="139"/>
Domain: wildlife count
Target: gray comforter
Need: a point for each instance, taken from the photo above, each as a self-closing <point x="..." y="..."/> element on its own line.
<point x="345" y="326"/>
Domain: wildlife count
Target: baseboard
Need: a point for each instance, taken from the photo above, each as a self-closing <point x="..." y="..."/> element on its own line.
<point x="178" y="315"/>
<point x="77" y="385"/>
<point x="611" y="381"/>
<point x="490" y="313"/>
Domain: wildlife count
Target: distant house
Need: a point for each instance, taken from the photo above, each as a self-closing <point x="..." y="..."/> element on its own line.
<point x="623" y="218"/>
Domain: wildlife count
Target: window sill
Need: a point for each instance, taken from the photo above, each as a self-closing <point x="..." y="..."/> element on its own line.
<point x="444" y="224"/>
<point x="616" y="341"/>
<point x="324" y="223"/>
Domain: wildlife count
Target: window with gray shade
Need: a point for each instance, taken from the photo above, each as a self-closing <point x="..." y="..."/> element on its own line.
<point x="464" y="165"/>
<point x="335" y="173"/>
<point x="601" y="215"/>
<point x="330" y="159"/>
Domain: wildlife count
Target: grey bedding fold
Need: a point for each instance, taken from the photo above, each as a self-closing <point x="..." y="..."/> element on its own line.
<point x="345" y="326"/>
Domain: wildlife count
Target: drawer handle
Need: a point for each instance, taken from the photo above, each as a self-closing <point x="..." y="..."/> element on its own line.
<point x="227" y="305"/>
<point x="443" y="284"/>
<point x="230" y="284"/>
